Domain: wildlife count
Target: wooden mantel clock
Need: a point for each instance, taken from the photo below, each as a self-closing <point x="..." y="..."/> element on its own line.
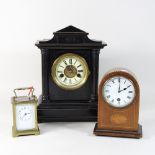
<point x="69" y="76"/>
<point x="118" y="105"/>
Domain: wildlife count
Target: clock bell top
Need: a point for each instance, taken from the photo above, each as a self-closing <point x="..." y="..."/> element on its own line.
<point x="70" y="37"/>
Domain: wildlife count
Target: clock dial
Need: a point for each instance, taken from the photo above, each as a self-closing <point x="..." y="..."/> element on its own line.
<point x="25" y="117"/>
<point x="25" y="113"/>
<point x="70" y="71"/>
<point x="119" y="91"/>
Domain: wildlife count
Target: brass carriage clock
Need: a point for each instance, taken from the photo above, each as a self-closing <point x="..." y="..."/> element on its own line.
<point x="69" y="76"/>
<point x="118" y="109"/>
<point x="25" y="113"/>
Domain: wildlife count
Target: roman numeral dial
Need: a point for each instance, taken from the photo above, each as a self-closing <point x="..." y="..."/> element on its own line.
<point x="118" y="91"/>
<point x="70" y="71"/>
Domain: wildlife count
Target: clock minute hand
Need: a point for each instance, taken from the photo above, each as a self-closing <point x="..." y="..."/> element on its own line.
<point x="119" y="86"/>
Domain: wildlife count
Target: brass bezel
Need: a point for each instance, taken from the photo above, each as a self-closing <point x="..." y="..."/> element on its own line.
<point x="15" y="132"/>
<point x="58" y="60"/>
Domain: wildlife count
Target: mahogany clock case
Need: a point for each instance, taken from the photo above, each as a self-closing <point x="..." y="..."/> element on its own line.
<point x="119" y="122"/>
<point x="55" y="103"/>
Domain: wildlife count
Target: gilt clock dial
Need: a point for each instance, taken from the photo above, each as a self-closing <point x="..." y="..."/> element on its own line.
<point x="70" y="71"/>
<point x="119" y="91"/>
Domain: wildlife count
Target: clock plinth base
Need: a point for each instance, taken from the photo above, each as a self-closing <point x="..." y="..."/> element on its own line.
<point x="67" y="112"/>
<point x="115" y="133"/>
<point x="16" y="133"/>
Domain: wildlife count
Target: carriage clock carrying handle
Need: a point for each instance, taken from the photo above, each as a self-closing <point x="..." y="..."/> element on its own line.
<point x="31" y="91"/>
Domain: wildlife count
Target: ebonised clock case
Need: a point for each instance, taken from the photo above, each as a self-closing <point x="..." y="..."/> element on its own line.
<point x="56" y="104"/>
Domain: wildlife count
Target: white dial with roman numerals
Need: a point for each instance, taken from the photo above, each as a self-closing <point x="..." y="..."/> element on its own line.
<point x="70" y="71"/>
<point x="119" y="91"/>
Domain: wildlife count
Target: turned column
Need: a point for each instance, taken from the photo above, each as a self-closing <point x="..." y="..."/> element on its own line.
<point x="45" y="90"/>
<point x="95" y="67"/>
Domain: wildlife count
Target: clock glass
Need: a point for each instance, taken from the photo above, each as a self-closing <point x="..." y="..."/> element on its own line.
<point x="119" y="91"/>
<point x="70" y="71"/>
<point x="25" y="117"/>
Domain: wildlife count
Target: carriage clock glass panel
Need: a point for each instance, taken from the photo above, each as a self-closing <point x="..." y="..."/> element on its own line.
<point x="70" y="71"/>
<point x="25" y="117"/>
<point x="118" y="91"/>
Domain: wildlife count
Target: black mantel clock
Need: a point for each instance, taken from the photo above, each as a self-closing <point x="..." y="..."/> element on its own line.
<point x="70" y="63"/>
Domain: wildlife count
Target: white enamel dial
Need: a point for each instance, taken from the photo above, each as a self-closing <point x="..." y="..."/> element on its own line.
<point x="70" y="71"/>
<point x="119" y="91"/>
<point x="25" y="117"/>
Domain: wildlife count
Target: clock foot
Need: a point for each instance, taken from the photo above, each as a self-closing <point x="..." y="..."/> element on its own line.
<point x="116" y="133"/>
<point x="16" y="133"/>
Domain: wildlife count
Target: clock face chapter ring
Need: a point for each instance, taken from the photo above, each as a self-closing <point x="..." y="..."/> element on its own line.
<point x="70" y="71"/>
<point x="118" y="91"/>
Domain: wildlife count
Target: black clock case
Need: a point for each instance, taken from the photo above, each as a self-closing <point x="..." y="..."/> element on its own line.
<point x="55" y="103"/>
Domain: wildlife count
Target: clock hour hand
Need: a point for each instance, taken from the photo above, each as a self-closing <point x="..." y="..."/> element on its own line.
<point x="124" y="88"/>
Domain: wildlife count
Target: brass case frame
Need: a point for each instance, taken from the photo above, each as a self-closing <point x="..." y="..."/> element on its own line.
<point x="15" y="132"/>
<point x="70" y="55"/>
